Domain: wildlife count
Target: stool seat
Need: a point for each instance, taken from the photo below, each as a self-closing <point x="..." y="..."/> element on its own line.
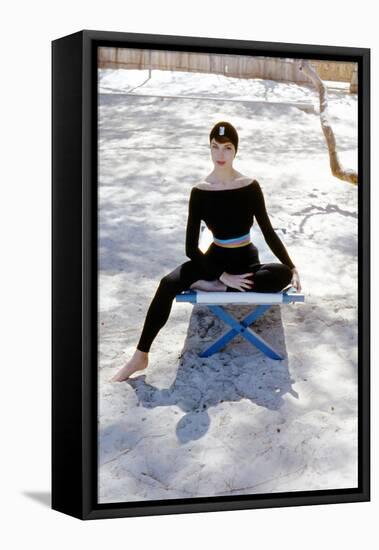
<point x="285" y="296"/>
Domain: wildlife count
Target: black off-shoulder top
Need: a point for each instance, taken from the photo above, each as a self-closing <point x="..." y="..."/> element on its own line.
<point x="229" y="213"/>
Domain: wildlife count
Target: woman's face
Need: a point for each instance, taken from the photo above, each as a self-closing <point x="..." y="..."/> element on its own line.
<point x="222" y="153"/>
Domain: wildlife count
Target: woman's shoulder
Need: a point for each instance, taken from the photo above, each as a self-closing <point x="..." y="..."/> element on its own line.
<point x="242" y="181"/>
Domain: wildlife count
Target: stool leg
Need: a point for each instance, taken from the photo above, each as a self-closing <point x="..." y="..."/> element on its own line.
<point x="227" y="336"/>
<point x="255" y="314"/>
<point x="261" y="344"/>
<point x="241" y="327"/>
<point x="253" y="337"/>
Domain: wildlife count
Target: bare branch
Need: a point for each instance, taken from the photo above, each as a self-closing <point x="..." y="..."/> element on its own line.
<point x="337" y="170"/>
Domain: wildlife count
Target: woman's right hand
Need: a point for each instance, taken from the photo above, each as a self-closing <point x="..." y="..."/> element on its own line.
<point x="240" y="282"/>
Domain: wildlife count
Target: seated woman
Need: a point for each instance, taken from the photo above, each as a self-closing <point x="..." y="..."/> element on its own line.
<point x="227" y="201"/>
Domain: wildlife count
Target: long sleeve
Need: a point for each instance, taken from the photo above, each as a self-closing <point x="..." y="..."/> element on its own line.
<point x="193" y="251"/>
<point x="268" y="231"/>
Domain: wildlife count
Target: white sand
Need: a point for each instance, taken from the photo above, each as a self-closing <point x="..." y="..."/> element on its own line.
<point x="236" y="422"/>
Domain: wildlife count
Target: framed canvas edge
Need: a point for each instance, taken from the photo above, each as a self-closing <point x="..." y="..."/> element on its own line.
<point x="86" y="379"/>
<point x="67" y="264"/>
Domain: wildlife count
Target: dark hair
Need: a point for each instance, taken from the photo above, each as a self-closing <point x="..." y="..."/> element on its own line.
<point x="223" y="132"/>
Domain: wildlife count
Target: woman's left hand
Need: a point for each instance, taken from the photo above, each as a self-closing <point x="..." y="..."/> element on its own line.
<point x="295" y="281"/>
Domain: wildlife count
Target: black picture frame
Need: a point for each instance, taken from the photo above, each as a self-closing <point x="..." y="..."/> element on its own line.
<point x="74" y="274"/>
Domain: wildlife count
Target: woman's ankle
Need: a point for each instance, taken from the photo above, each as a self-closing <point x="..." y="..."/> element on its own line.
<point x="219" y="285"/>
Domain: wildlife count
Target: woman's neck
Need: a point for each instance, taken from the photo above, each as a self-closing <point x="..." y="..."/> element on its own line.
<point x="220" y="176"/>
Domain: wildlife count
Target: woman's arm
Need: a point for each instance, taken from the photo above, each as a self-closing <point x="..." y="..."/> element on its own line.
<point x="268" y="231"/>
<point x="192" y="239"/>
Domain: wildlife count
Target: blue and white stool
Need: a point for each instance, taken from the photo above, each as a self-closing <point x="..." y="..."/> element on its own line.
<point x="262" y="300"/>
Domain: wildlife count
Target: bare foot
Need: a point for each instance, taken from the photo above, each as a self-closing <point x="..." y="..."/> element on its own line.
<point x="139" y="361"/>
<point x="210" y="286"/>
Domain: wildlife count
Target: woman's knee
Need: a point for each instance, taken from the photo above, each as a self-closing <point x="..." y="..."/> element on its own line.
<point x="166" y="282"/>
<point x="171" y="285"/>
<point x="277" y="267"/>
<point x="281" y="271"/>
<point x="287" y="272"/>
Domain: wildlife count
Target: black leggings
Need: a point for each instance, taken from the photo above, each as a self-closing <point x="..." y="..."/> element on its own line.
<point x="270" y="277"/>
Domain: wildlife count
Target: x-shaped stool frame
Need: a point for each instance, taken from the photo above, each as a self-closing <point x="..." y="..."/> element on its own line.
<point x="262" y="300"/>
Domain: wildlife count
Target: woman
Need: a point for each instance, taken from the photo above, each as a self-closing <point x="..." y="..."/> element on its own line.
<point x="227" y="201"/>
